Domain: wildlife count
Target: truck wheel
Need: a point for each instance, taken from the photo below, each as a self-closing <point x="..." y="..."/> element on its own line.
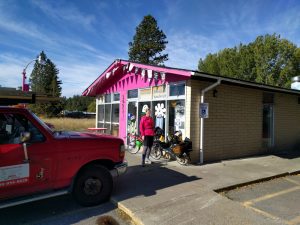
<point x="93" y="186"/>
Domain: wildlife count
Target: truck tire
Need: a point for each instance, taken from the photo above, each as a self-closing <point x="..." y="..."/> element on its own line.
<point x="93" y="186"/>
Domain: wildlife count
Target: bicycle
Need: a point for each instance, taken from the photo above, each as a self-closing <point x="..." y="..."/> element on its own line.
<point x="136" y="142"/>
<point x="176" y="148"/>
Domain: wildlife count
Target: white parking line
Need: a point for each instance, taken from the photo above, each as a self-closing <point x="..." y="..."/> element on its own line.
<point x="264" y="213"/>
<point x="250" y="203"/>
<point x="265" y="197"/>
<point x="292" y="181"/>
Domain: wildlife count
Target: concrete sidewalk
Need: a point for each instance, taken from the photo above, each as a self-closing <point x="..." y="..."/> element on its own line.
<point x="168" y="193"/>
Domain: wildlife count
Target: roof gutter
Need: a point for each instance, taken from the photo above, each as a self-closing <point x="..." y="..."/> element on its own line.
<point x="247" y="83"/>
<point x="202" y="119"/>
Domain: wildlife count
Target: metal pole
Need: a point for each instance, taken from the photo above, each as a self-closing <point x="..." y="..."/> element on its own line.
<point x="25" y="87"/>
<point x="23" y="81"/>
<point x="202" y="119"/>
<point x="201" y="132"/>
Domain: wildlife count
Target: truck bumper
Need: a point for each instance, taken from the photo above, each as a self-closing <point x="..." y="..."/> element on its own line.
<point x="119" y="169"/>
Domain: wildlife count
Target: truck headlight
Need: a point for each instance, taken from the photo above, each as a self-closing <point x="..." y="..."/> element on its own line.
<point x="122" y="150"/>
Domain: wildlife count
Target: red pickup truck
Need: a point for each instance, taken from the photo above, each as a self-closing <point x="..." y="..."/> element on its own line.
<point x="37" y="162"/>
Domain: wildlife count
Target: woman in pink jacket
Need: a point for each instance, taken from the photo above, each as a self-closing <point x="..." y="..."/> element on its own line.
<point x="147" y="133"/>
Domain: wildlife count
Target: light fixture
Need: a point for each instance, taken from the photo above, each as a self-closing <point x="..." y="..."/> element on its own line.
<point x="41" y="61"/>
<point x="215" y="93"/>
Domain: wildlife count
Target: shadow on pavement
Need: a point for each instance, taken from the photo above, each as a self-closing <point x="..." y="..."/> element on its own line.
<point x="61" y="210"/>
<point x="146" y="181"/>
<point x="290" y="154"/>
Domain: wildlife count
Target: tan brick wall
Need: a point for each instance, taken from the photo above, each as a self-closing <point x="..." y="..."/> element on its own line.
<point x="234" y="126"/>
<point x="287" y="121"/>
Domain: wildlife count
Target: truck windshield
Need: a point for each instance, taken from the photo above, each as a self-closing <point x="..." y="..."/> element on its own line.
<point x="42" y="123"/>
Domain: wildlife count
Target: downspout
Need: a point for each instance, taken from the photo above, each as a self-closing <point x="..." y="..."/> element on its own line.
<point x="202" y="119"/>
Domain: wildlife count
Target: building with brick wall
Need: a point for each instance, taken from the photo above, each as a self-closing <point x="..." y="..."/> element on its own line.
<point x="244" y="118"/>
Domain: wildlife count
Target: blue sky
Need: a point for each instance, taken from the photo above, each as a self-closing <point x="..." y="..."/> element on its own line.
<point x="83" y="37"/>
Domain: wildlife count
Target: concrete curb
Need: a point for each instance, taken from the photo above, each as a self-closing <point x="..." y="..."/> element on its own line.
<point x="295" y="172"/>
<point x="220" y="190"/>
<point x="127" y="211"/>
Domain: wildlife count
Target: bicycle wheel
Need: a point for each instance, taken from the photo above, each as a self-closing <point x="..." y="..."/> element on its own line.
<point x="134" y="150"/>
<point x="167" y="156"/>
<point x="183" y="160"/>
<point x="155" y="152"/>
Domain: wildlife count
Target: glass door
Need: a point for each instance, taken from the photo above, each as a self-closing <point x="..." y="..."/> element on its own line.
<point x="141" y="110"/>
<point x="159" y="113"/>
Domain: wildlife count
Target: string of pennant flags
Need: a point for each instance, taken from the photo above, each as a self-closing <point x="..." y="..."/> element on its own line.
<point x="129" y="67"/>
<point x="145" y="73"/>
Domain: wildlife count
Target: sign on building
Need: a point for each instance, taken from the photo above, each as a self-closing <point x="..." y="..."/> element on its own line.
<point x="203" y="110"/>
<point x="145" y="94"/>
<point x="159" y="92"/>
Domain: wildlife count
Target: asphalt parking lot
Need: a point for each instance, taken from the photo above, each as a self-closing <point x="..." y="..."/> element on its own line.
<point x="278" y="199"/>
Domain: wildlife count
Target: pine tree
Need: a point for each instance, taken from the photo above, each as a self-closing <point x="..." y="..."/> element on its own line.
<point x="148" y="43"/>
<point x="44" y="80"/>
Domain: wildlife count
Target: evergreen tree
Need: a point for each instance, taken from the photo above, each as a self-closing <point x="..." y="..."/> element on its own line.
<point x="44" y="81"/>
<point x="80" y="103"/>
<point x="269" y="60"/>
<point x="148" y="43"/>
<point x="92" y="106"/>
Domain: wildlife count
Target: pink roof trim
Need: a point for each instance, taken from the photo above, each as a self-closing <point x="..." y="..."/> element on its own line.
<point x="118" y="64"/>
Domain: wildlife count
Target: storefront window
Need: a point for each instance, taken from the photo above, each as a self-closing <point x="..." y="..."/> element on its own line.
<point x="133" y="93"/>
<point x="100" y="113"/>
<point x="145" y="94"/>
<point x="159" y="113"/>
<point x="159" y="92"/>
<point x="107" y="98"/>
<point x="176" y="116"/>
<point x="101" y="98"/>
<point x="115" y="113"/>
<point x="107" y="126"/>
<point x="116" y="97"/>
<point x="115" y="130"/>
<point x="107" y="113"/>
<point x="177" y="89"/>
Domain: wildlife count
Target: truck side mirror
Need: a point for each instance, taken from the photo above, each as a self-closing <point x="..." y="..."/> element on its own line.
<point x="25" y="136"/>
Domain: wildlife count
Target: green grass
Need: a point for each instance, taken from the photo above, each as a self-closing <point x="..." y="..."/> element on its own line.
<point x="70" y="124"/>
